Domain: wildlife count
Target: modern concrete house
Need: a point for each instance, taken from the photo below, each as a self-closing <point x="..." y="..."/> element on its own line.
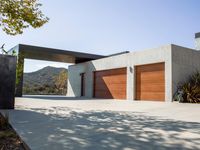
<point x="144" y="75"/>
<point x="152" y="74"/>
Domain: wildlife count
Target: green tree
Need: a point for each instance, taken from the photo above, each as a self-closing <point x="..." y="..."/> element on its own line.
<point x="16" y="15"/>
<point x="61" y="82"/>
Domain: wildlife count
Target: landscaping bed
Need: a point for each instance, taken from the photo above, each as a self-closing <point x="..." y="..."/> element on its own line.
<point x="189" y="91"/>
<point x="9" y="140"/>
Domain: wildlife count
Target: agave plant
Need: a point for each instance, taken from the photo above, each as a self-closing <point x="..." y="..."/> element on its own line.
<point x="195" y="79"/>
<point x="190" y="90"/>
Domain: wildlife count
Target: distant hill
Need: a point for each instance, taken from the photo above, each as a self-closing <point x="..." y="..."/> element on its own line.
<point x="49" y="80"/>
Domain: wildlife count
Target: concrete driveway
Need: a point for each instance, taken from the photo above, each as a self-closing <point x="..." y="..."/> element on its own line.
<point x="79" y="124"/>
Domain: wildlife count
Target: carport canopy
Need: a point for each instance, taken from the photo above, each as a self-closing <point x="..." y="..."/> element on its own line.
<point x="52" y="54"/>
<point x="47" y="54"/>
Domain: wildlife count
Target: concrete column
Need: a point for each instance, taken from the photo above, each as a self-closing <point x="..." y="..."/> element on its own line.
<point x="7" y="81"/>
<point x="168" y="81"/>
<point x="130" y="83"/>
<point x="19" y="75"/>
<point x="197" y="41"/>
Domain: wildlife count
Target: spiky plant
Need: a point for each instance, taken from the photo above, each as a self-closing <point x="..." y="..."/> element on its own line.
<point x="189" y="92"/>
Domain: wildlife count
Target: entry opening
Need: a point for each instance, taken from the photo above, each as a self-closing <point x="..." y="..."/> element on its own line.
<point x="45" y="77"/>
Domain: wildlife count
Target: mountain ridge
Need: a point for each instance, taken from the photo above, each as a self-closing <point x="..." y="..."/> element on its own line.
<point x="48" y="80"/>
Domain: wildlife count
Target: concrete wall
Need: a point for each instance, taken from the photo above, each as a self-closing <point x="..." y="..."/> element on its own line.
<point x="197" y="41"/>
<point x="129" y="60"/>
<point x="185" y="61"/>
<point x="7" y="81"/>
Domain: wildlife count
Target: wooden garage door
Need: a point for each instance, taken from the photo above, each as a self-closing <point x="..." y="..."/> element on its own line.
<point x="110" y="84"/>
<point x="150" y="82"/>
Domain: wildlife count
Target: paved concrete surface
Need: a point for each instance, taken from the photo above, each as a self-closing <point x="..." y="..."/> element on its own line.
<point x="73" y="123"/>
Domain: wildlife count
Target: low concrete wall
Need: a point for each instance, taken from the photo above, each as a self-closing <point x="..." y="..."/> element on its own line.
<point x="129" y="60"/>
<point x="7" y="81"/>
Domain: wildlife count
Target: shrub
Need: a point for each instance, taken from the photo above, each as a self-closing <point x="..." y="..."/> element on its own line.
<point x="4" y="122"/>
<point x="189" y="92"/>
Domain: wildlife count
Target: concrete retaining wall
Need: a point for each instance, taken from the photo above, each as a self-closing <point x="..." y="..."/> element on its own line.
<point x="7" y="81"/>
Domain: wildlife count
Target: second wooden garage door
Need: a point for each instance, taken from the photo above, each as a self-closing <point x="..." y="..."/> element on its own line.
<point x="110" y="84"/>
<point x="150" y="82"/>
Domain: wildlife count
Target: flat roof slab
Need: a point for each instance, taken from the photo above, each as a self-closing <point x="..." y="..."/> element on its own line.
<point x="52" y="54"/>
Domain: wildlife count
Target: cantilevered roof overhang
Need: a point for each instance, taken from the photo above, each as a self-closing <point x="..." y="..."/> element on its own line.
<point x="52" y="54"/>
<point x="48" y="54"/>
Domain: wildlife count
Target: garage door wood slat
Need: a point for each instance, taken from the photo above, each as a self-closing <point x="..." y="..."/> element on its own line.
<point x="110" y="96"/>
<point x="152" y="96"/>
<point x="116" y="79"/>
<point x="151" y="89"/>
<point x="150" y="67"/>
<point x="112" y="87"/>
<point x="111" y="72"/>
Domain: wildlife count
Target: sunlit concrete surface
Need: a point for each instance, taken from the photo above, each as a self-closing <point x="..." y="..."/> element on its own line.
<point x="57" y="123"/>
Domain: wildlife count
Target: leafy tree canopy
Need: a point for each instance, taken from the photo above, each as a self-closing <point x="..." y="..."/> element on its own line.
<point x="16" y="15"/>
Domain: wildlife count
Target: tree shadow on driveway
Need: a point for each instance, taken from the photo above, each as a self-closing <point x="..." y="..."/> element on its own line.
<point x="65" y="128"/>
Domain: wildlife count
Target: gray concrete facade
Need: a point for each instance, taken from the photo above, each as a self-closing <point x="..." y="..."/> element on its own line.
<point x="197" y="41"/>
<point x="185" y="61"/>
<point x="179" y="62"/>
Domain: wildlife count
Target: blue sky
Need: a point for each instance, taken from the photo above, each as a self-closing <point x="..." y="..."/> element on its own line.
<point x="111" y="26"/>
